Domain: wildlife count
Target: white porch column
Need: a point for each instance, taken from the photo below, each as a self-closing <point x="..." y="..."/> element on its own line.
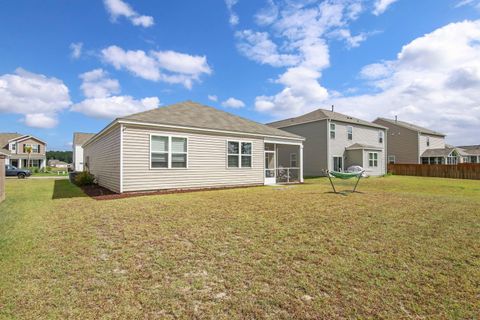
<point x="20" y="163"/>
<point x="301" y="163"/>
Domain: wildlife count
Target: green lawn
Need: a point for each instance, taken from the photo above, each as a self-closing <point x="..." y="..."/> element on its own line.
<point x="404" y="248"/>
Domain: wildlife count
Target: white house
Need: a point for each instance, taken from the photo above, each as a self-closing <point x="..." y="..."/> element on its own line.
<point x="335" y="141"/>
<point x="189" y="145"/>
<point x="79" y="138"/>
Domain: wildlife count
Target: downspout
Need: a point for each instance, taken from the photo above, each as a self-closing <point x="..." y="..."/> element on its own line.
<point x="121" y="157"/>
<point x="328" y="144"/>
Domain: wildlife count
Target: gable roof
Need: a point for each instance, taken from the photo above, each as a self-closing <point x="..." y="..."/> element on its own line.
<point x="194" y="115"/>
<point x="412" y="126"/>
<point x="6" y="137"/>
<point x="470" y="150"/>
<point x="322" y="114"/>
<point x="361" y="146"/>
<point x="79" y="138"/>
<point x="440" y="152"/>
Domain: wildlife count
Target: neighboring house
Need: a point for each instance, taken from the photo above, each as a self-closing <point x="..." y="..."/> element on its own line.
<point x="15" y="144"/>
<point x="3" y="156"/>
<point x="410" y="143"/>
<point x="470" y="154"/>
<point x="79" y="138"/>
<point x="57" y="164"/>
<point x="335" y="141"/>
<point x="189" y="145"/>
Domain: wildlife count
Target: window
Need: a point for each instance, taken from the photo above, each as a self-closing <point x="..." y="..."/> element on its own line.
<point x="35" y="148"/>
<point x="168" y="152"/>
<point x="293" y="160"/>
<point x="428" y="141"/>
<point x="332" y="130"/>
<point x="349" y="132"/>
<point x="13" y="147"/>
<point x="373" y="159"/>
<point x="391" y="159"/>
<point x="380" y="136"/>
<point x="179" y="152"/>
<point x="239" y="154"/>
<point x="338" y="164"/>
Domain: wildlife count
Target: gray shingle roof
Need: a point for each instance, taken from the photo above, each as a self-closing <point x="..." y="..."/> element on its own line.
<point x="79" y="138"/>
<point x="5" y="137"/>
<point x="356" y="146"/>
<point x="195" y="115"/>
<point x="470" y="150"/>
<point x="413" y="127"/>
<point x="443" y="152"/>
<point x="322" y="114"/>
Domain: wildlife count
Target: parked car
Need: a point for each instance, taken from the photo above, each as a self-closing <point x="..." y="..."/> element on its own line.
<point x="11" y="171"/>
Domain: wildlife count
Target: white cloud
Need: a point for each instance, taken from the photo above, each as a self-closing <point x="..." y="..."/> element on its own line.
<point x="258" y="47"/>
<point x="76" y="50"/>
<point x="96" y="84"/>
<point x="115" y="106"/>
<point x="233" y="17"/>
<point x="434" y="82"/>
<point x="36" y="96"/>
<point x="102" y="101"/>
<point x="41" y="120"/>
<point x="233" y="103"/>
<point x="297" y="39"/>
<point x="380" y="6"/>
<point x="118" y="8"/>
<point x="213" y="98"/>
<point x="167" y="66"/>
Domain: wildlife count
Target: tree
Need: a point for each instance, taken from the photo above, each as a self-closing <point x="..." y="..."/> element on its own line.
<point x="28" y="150"/>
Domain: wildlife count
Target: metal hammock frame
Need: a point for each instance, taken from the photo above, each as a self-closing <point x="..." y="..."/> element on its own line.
<point x="344" y="176"/>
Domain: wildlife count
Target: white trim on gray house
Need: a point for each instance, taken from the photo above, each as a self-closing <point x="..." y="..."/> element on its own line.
<point x="335" y="141"/>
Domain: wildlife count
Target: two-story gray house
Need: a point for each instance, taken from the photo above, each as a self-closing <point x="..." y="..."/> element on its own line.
<point x="410" y="143"/>
<point x="335" y="141"/>
<point x="16" y="147"/>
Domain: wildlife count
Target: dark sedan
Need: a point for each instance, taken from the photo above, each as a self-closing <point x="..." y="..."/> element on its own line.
<point x="11" y="171"/>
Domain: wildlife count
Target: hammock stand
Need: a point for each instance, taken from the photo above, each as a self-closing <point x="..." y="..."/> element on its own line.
<point x="344" y="176"/>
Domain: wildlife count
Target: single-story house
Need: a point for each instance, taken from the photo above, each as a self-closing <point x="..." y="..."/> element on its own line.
<point x="79" y="138"/>
<point x="188" y="145"/>
<point x="470" y="154"/>
<point x="335" y="141"/>
<point x="57" y="164"/>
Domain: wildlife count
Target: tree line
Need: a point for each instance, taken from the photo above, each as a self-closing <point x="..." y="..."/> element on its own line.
<point x="65" y="156"/>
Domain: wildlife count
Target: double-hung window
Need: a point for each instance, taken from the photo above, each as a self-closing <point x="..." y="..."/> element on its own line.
<point x="380" y="136"/>
<point x="373" y="159"/>
<point x="332" y="130"/>
<point x="168" y="152"/>
<point x="391" y="159"/>
<point x="428" y="141"/>
<point x="349" y="132"/>
<point x="239" y="154"/>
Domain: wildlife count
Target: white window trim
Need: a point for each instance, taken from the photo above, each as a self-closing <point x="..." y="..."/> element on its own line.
<point x="351" y="127"/>
<point x="334" y="130"/>
<point x="169" y="164"/>
<point x="428" y="141"/>
<point x="239" y="155"/>
<point x="343" y="161"/>
<point x="373" y="159"/>
<point x="381" y="136"/>
<point x="296" y="160"/>
<point x="394" y="159"/>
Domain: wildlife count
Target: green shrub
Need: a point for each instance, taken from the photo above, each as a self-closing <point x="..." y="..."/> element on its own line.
<point x="84" y="178"/>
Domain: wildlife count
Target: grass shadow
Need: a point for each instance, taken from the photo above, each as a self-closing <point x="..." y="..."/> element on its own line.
<point x="64" y="189"/>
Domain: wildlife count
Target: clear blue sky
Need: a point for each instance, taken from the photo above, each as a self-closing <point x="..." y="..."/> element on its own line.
<point x="75" y="65"/>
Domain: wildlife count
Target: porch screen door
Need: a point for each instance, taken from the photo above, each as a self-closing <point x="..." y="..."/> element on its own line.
<point x="270" y="167"/>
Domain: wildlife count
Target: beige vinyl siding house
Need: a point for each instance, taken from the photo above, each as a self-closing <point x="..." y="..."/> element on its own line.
<point x="3" y="156"/>
<point x="410" y="143"/>
<point x="190" y="146"/>
<point x="102" y="157"/>
<point x="15" y="145"/>
<point x="335" y="142"/>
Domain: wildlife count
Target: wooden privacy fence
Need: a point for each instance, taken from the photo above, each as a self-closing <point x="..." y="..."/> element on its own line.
<point x="459" y="171"/>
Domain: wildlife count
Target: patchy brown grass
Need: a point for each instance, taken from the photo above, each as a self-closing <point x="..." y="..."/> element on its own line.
<point x="404" y="248"/>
